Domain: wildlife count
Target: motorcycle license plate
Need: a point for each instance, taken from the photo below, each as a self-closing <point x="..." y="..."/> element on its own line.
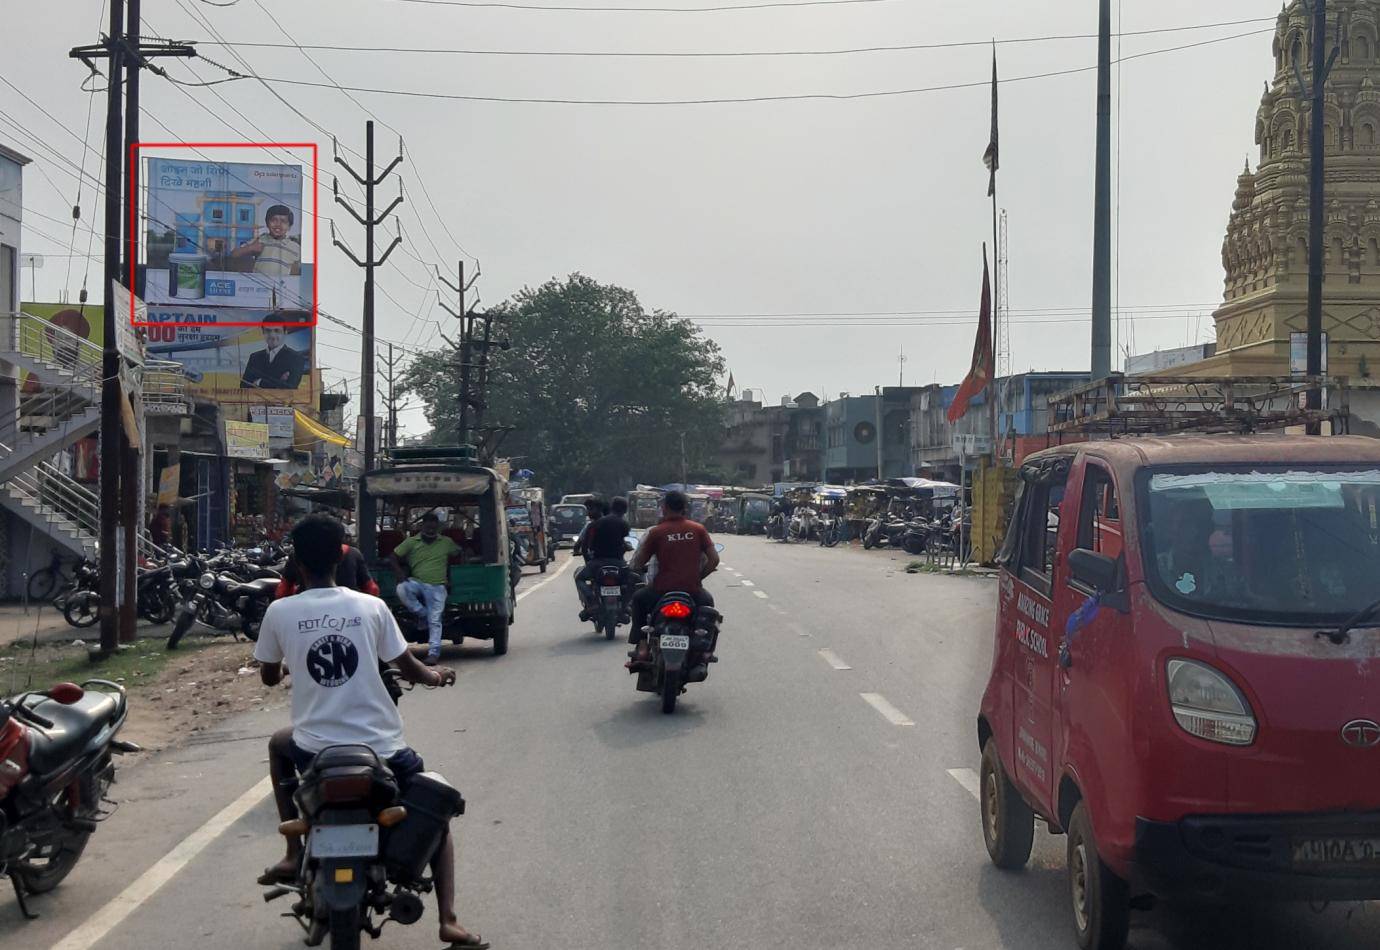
<point x="344" y="841"/>
<point x="672" y="641"/>
<point x="610" y="592"/>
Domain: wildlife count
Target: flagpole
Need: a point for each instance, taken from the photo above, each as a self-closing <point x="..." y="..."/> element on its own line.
<point x="995" y="161"/>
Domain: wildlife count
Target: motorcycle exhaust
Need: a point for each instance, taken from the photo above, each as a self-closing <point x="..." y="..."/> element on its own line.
<point x="405" y="908"/>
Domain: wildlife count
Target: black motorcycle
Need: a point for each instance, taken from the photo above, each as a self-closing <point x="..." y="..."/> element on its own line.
<point x="682" y="641"/>
<point x="227" y="603"/>
<point x="607" y="605"/>
<point x="56" y="766"/>
<point x="368" y="845"/>
<point x="80" y="602"/>
<point x="884" y="531"/>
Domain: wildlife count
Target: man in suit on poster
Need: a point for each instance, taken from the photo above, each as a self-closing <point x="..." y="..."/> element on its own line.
<point x="276" y="366"/>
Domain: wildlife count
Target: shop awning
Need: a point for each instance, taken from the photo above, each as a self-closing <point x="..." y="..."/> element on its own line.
<point x="307" y="432"/>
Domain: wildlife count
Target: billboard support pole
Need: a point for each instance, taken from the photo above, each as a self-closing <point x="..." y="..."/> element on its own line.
<point x="369" y="181"/>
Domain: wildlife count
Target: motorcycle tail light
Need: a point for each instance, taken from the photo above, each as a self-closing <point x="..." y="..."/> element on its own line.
<point x="346" y="788"/>
<point x="675" y="611"/>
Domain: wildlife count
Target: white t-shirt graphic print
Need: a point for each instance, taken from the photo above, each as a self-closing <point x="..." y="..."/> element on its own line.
<point x="332" y="640"/>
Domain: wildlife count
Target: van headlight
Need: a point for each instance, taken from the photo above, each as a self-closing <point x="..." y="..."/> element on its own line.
<point x="1207" y="705"/>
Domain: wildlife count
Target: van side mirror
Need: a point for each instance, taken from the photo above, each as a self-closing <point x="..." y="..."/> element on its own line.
<point x="1097" y="571"/>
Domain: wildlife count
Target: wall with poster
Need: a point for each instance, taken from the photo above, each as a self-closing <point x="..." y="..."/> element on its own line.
<point x="86" y="322"/>
<point x="257" y="365"/>
<point x="225" y="234"/>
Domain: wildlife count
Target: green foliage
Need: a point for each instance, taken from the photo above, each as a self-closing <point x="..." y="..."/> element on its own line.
<point x="599" y="391"/>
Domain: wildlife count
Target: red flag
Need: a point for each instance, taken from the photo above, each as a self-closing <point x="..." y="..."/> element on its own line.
<point x="980" y="374"/>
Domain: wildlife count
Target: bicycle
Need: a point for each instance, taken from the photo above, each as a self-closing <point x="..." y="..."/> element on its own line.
<point x="47" y="582"/>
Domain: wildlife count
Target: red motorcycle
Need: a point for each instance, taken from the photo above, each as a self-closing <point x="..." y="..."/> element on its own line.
<point x="56" y="766"/>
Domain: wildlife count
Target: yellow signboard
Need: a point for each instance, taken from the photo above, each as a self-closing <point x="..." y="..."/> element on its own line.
<point x="246" y="440"/>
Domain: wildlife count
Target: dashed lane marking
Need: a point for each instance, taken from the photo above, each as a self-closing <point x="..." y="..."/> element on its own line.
<point x="833" y="660"/>
<point x="748" y="583"/>
<point x="889" y="712"/>
<point x="969" y="780"/>
<point x="760" y="593"/>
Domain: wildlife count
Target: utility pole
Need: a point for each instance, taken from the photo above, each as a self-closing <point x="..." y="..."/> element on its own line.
<point x="901" y="360"/>
<point x="118" y="50"/>
<point x="369" y="181"/>
<point x="392" y="401"/>
<point x="1102" y="214"/>
<point x="466" y="318"/>
<point x="1322" y="68"/>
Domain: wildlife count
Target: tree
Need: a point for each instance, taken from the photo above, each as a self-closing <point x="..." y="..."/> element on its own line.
<point x="599" y="391"/>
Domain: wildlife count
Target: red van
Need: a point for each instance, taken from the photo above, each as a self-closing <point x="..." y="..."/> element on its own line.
<point x="1185" y="679"/>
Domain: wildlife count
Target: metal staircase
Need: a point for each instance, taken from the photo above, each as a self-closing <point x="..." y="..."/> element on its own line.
<point x="59" y="404"/>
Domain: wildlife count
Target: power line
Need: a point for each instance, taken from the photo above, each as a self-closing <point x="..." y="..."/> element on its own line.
<point x="497" y="4"/>
<point x="731" y="53"/>
<point x="727" y="100"/>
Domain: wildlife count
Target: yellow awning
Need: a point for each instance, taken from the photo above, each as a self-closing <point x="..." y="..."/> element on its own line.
<point x="307" y="431"/>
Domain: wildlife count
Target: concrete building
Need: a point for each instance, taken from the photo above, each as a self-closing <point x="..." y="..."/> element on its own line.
<point x="1265" y="255"/>
<point x="766" y="444"/>
<point x="1168" y="361"/>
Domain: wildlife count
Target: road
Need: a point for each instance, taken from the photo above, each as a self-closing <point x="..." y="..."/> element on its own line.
<point x="812" y="793"/>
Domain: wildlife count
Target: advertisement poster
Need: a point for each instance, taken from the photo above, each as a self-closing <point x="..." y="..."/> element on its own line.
<point x="168" y="481"/>
<point x="262" y="365"/>
<point x="246" y="440"/>
<point x="85" y="322"/>
<point x="225" y="234"/>
<point x="279" y="420"/>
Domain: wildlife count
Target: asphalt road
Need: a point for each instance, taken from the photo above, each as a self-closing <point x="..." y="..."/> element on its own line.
<point x="812" y="793"/>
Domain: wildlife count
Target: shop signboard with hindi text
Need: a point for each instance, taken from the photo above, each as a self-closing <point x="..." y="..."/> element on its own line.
<point x="279" y="420"/>
<point x="246" y="440"/>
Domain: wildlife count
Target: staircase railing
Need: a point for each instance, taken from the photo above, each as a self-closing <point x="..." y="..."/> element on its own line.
<point x="44" y="341"/>
<point x="46" y="484"/>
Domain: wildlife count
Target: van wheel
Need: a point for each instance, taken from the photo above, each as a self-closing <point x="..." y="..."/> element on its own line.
<point x="1008" y="824"/>
<point x="1101" y="900"/>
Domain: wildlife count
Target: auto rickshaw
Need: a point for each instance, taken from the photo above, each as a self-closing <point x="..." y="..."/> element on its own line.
<point x="830" y="502"/>
<point x="480" y="593"/>
<point x="864" y="503"/>
<point x="699" y="507"/>
<point x="724" y="513"/>
<point x="644" y="507"/>
<point x="567" y="521"/>
<point x="753" y="513"/>
<point x="535" y="539"/>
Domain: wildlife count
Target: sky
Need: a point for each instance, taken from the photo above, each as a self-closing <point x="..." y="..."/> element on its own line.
<point x="752" y="218"/>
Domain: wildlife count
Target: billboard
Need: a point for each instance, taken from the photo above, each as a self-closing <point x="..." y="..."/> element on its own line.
<point x="225" y="234"/>
<point x="246" y="440"/>
<point x="228" y="362"/>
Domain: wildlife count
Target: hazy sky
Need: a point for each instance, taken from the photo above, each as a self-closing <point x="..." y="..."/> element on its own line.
<point x="718" y="211"/>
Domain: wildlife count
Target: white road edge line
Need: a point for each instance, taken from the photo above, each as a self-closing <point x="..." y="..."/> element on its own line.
<point x="98" y="925"/>
<point x="833" y="660"/>
<point x="969" y="780"/>
<point x="540" y="584"/>
<point x="760" y="593"/>
<point x="748" y="583"/>
<point x="889" y="712"/>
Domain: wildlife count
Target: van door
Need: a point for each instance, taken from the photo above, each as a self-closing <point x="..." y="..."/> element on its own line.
<point x="1034" y="562"/>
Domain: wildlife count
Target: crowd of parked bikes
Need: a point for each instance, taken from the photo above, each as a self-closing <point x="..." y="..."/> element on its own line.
<point x="915" y="520"/>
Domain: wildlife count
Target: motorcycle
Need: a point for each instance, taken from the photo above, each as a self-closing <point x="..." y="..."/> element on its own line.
<point x="56" y="767"/>
<point x="682" y="637"/>
<point x="608" y="606"/>
<point x="917" y="537"/>
<point x="830" y="530"/>
<point x="884" y="532"/>
<point x="804" y="524"/>
<point x="80" y="602"/>
<point x="225" y="602"/>
<point x="369" y="845"/>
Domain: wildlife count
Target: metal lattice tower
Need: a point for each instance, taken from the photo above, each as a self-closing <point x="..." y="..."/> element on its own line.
<point x="1003" y="305"/>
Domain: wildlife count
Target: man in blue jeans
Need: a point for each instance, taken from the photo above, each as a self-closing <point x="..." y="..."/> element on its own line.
<point x="421" y="565"/>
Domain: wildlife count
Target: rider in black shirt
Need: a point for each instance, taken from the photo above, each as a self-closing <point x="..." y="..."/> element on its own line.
<point x="605" y="542"/>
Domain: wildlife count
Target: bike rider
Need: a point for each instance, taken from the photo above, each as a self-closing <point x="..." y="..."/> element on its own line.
<point x="685" y="556"/>
<point x="605" y="542"/>
<point x="339" y="702"/>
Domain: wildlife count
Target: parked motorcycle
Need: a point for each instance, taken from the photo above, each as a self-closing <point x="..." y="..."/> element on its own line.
<point x="56" y="766"/>
<point x="884" y="531"/>
<point x="682" y="637"/>
<point x="225" y="602"/>
<point x="369" y="846"/>
<point x="79" y="603"/>
<point x="830" y="530"/>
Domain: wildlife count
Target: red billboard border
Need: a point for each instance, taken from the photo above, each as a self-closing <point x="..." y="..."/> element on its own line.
<point x="134" y="229"/>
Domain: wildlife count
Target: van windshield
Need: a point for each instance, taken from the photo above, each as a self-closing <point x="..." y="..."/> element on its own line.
<point x="1265" y="545"/>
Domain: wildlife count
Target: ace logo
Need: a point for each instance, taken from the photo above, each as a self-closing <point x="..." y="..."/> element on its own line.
<point x="332" y="660"/>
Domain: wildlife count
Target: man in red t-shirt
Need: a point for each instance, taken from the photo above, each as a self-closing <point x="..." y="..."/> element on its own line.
<point x="685" y="555"/>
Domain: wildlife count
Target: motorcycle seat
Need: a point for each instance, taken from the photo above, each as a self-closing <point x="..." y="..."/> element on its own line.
<point x="73" y="727"/>
<point x="344" y="757"/>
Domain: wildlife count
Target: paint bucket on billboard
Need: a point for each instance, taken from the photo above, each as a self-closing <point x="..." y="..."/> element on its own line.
<point x="187" y="275"/>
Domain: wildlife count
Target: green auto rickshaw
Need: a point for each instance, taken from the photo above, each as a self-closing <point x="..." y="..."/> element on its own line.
<point x="754" y="512"/>
<point x="480" y="590"/>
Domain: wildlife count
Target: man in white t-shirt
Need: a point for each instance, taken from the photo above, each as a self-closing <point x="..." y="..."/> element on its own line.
<point x="333" y="639"/>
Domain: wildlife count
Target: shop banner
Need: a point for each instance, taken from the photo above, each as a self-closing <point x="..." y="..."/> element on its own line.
<point x="279" y="420"/>
<point x="259" y="365"/>
<point x="168" y="481"/>
<point x="225" y="234"/>
<point x="246" y="440"/>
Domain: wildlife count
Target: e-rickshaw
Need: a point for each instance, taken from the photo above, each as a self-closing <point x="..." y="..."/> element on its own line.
<point x="754" y="512"/>
<point x="480" y="589"/>
<point x="864" y="503"/>
<point x="699" y="507"/>
<point x="724" y="513"/>
<point x="644" y="508"/>
<point x="537" y="549"/>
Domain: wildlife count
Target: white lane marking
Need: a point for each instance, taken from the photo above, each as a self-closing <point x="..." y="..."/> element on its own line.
<point x="776" y="608"/>
<point x="761" y="594"/>
<point x="98" y="925"/>
<point x="542" y="583"/>
<point x="748" y="583"/>
<point x="833" y="660"/>
<point x="127" y="901"/>
<point x="729" y="569"/>
<point x="893" y="715"/>
<point x="969" y="780"/>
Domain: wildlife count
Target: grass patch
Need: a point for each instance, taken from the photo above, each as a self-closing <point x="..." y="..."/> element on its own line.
<point x="132" y="664"/>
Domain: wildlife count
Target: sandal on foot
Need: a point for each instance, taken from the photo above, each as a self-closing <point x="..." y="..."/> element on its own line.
<point x="473" y="942"/>
<point x="276" y="875"/>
